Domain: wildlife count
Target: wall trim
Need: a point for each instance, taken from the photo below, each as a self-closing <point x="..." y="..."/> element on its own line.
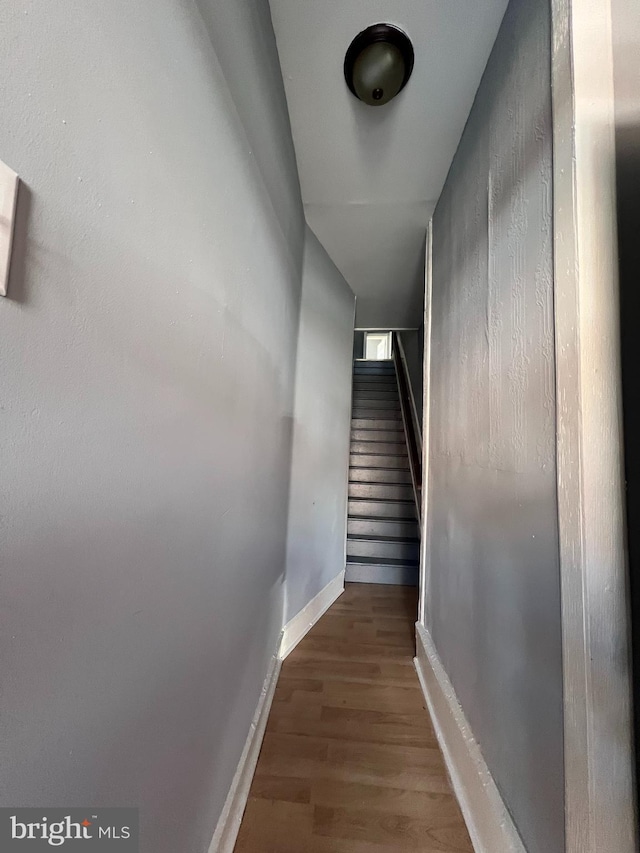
<point x="226" y="833"/>
<point x="488" y="820"/>
<point x="423" y="581"/>
<point x="303" y="622"/>
<point x="599" y="794"/>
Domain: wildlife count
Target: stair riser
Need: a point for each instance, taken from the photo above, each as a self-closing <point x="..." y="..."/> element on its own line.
<point x="382" y="509"/>
<point x="372" y="462"/>
<point x="376" y="383"/>
<point x="365" y="413"/>
<point x="386" y="392"/>
<point x="396" y="575"/>
<point x="376" y="403"/>
<point x="382" y="527"/>
<point x="376" y="377"/>
<point x="383" y="550"/>
<point x="374" y="371"/>
<point x="377" y="475"/>
<point x="379" y="448"/>
<point x="363" y="460"/>
<point x="383" y="491"/>
<point x="372" y="403"/>
<point x="375" y="394"/>
<point x="389" y="436"/>
<point x="376" y="423"/>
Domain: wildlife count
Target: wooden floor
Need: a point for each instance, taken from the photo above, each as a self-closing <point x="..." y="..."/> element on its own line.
<point x="350" y="762"/>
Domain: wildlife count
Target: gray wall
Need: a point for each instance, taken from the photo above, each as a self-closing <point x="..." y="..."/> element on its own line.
<point x="146" y="399"/>
<point x="493" y="599"/>
<point x="626" y="55"/>
<point x="322" y="415"/>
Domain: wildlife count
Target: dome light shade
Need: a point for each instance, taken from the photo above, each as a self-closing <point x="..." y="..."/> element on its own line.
<point x="378" y="64"/>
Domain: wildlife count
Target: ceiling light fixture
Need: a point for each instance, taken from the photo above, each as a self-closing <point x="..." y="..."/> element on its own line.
<point x="378" y="64"/>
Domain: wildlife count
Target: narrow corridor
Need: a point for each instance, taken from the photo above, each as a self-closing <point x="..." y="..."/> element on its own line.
<point x="350" y="761"/>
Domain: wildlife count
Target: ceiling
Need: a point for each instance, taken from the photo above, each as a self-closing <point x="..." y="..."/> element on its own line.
<point x="371" y="176"/>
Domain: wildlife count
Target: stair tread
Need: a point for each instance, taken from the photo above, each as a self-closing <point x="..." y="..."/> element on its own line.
<point x="367" y="450"/>
<point x="365" y="537"/>
<point x="373" y="433"/>
<point x="383" y="518"/>
<point x="379" y="441"/>
<point x="378" y="482"/>
<point x="381" y="561"/>
<point x="378" y="467"/>
<point x="409" y="501"/>
<point x="368" y="453"/>
<point x="364" y="441"/>
<point x="395" y="425"/>
<point x="373" y="440"/>
<point x="397" y="429"/>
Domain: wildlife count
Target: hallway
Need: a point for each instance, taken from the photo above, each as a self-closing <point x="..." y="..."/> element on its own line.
<point x="297" y="294"/>
<point x="350" y="761"/>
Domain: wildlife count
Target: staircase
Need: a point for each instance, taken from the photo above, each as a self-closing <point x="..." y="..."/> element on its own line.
<point x="383" y="543"/>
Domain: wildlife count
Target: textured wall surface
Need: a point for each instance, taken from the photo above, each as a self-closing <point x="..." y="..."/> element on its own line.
<point x="321" y="430"/>
<point x="493" y="600"/>
<point x="146" y="400"/>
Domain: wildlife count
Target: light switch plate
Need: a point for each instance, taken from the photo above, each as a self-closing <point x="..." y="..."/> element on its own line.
<point x="8" y="198"/>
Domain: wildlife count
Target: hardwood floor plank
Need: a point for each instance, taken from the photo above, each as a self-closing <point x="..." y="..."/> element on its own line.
<point x="350" y="761"/>
<point x="421" y="805"/>
<point x="272" y="826"/>
<point x="281" y="746"/>
<point x="286" y="789"/>
<point x="331" y="647"/>
<point x="352" y="730"/>
<point x="376" y="717"/>
<point x="386" y="672"/>
<point x="413" y="779"/>
<point x="320" y="844"/>
<point x="406" y="833"/>
<point x="365" y="695"/>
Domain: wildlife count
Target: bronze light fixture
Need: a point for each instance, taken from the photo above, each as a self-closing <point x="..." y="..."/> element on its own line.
<point x="378" y="64"/>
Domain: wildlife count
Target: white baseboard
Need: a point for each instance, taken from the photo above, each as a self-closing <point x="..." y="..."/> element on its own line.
<point x="489" y="823"/>
<point x="226" y="833"/>
<point x="224" y="838"/>
<point x="303" y="622"/>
